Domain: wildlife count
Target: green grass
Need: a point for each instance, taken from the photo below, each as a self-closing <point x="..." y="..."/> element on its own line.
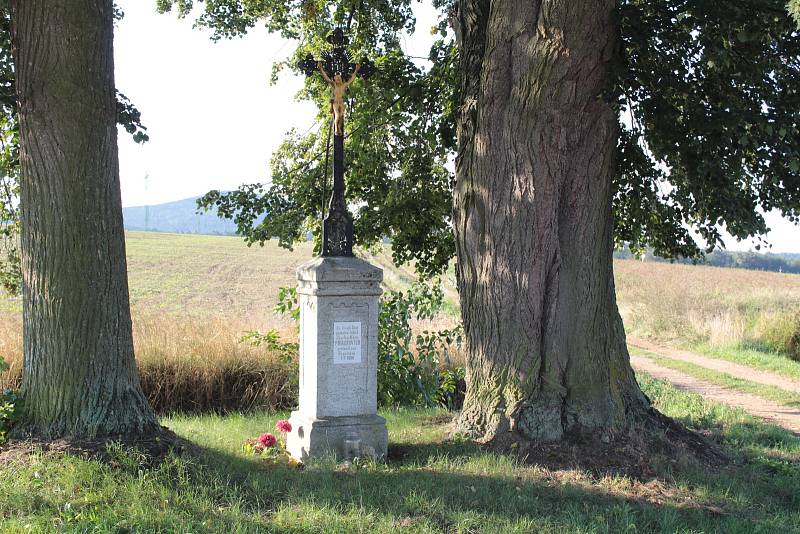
<point x="787" y="398"/>
<point x="440" y="486"/>
<point x="758" y="359"/>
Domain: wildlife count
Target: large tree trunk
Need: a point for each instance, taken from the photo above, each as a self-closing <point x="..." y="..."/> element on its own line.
<point x="533" y="223"/>
<point x="79" y="375"/>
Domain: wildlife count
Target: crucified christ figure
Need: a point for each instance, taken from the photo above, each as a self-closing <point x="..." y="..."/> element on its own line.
<point x="339" y="87"/>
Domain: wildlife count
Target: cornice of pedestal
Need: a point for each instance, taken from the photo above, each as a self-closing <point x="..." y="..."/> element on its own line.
<point x="339" y="276"/>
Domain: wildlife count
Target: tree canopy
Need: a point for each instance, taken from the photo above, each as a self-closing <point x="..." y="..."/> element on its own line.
<point x="707" y="95"/>
<point x="10" y="278"/>
<point x="400" y="131"/>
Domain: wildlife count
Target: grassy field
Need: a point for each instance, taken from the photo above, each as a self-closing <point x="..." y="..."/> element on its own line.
<point x="192" y="299"/>
<point x="201" y="276"/>
<point x="210" y="275"/>
<point x="194" y="296"/>
<point x="710" y="308"/>
<point x="431" y="484"/>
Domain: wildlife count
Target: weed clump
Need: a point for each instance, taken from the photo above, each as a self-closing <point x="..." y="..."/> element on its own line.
<point x="8" y="409"/>
<point x="780" y="332"/>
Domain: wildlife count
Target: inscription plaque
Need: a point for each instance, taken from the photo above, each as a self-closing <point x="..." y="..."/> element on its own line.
<point x="347" y="342"/>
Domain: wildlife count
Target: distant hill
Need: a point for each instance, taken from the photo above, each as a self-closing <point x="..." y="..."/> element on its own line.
<point x="786" y="262"/>
<point x="179" y="217"/>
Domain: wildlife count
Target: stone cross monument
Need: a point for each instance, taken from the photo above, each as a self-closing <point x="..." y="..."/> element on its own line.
<point x="338" y="296"/>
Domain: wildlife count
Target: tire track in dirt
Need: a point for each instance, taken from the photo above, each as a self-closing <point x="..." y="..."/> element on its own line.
<point x="729" y="368"/>
<point x="786" y="416"/>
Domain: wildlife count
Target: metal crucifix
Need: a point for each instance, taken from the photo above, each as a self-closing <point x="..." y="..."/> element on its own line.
<point x="339" y="72"/>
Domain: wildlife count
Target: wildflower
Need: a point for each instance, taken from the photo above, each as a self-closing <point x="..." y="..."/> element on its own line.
<point x="267" y="440"/>
<point x="283" y="426"/>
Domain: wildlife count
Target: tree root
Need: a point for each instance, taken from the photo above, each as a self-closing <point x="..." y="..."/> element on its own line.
<point x="654" y="441"/>
<point x="153" y="447"/>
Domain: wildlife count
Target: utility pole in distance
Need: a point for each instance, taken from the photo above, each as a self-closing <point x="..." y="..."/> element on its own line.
<point x="146" y="204"/>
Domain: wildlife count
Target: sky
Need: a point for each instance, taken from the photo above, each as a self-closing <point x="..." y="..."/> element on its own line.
<point x="211" y="113"/>
<point x="213" y="117"/>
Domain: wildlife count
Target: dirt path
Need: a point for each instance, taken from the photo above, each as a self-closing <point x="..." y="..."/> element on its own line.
<point x="734" y="369"/>
<point x="785" y="416"/>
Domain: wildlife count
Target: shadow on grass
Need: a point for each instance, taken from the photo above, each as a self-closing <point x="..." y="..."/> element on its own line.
<point x="455" y="486"/>
<point x="444" y="484"/>
<point x="435" y="496"/>
<point x="757" y="345"/>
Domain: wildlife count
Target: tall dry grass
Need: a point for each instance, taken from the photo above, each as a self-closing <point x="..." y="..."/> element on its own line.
<point x="189" y="364"/>
<point x="686" y="304"/>
<point x="200" y="364"/>
<point x="11" y="349"/>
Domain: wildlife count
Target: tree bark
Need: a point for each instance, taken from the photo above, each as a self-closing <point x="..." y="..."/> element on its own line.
<point x="533" y="221"/>
<point x="79" y="376"/>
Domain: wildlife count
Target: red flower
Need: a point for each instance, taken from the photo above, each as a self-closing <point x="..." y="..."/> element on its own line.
<point x="267" y="440"/>
<point x="283" y="426"/>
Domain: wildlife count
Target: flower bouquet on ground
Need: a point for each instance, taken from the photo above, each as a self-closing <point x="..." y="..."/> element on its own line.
<point x="272" y="448"/>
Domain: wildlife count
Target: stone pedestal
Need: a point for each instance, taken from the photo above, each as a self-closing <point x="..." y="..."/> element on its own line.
<point x="337" y="416"/>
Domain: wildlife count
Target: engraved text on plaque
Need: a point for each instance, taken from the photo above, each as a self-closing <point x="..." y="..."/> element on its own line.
<point x="347" y="342"/>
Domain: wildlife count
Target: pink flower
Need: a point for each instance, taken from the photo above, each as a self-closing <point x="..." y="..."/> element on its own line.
<point x="283" y="426"/>
<point x="267" y="440"/>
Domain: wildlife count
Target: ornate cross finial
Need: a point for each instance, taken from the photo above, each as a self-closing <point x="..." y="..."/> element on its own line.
<point x="337" y="60"/>
<point x="339" y="72"/>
